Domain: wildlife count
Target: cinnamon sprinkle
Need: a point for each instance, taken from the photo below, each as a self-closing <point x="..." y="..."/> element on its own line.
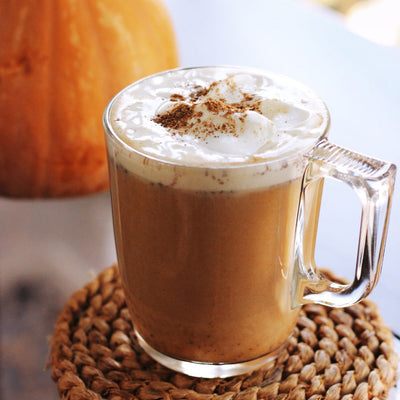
<point x="177" y="117"/>
<point x="177" y="97"/>
<point x="183" y="116"/>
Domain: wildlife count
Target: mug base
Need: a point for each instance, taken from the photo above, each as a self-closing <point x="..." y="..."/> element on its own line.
<point x="207" y="370"/>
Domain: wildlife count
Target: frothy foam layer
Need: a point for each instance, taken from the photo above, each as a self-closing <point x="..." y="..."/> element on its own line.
<point x="217" y="118"/>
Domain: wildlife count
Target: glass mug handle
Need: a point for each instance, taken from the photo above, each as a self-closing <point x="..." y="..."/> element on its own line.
<point x="373" y="181"/>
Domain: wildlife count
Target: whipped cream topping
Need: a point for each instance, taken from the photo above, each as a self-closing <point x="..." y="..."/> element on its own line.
<point x="219" y="117"/>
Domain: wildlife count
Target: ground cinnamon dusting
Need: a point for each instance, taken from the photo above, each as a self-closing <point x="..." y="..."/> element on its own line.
<point x="177" y="97"/>
<point x="201" y="92"/>
<point x="175" y="118"/>
<point x="184" y="115"/>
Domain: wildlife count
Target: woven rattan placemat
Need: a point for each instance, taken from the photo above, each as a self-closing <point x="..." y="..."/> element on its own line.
<point x="332" y="354"/>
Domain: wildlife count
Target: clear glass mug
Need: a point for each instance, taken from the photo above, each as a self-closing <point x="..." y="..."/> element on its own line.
<point x="214" y="279"/>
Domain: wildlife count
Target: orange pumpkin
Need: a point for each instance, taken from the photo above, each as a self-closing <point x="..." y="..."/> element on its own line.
<point x="61" y="61"/>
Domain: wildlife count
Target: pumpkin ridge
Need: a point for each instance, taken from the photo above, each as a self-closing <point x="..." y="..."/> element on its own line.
<point x="34" y="72"/>
<point x="46" y="136"/>
<point x="100" y="50"/>
<point x="78" y="101"/>
<point x="161" y="22"/>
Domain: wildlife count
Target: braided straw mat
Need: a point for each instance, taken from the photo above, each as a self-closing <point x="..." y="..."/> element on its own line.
<point x="332" y="354"/>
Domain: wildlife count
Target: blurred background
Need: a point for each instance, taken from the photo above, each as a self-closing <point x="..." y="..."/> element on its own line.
<point x="348" y="51"/>
<point x="375" y="20"/>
